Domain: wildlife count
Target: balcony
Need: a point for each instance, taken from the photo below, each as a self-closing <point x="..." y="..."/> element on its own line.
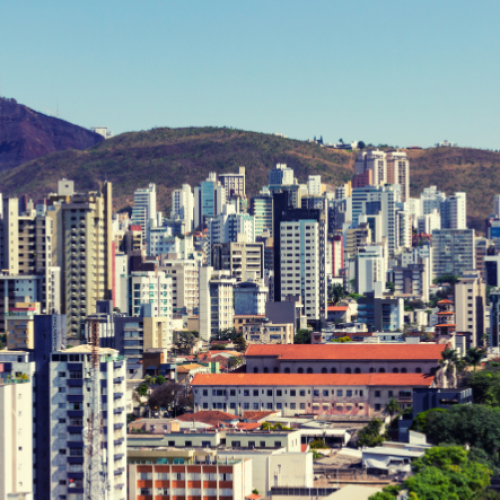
<point x="119" y="410"/>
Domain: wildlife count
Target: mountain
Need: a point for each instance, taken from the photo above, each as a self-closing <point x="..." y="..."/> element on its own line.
<point x="26" y="134"/>
<point x="171" y="157"/>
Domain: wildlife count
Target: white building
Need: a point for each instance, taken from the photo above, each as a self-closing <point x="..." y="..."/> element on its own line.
<point x="369" y="266"/>
<point x="216" y="301"/>
<point x="374" y="161"/>
<point x="431" y="199"/>
<point x="281" y="175"/>
<point x="209" y="199"/>
<point x="234" y="184"/>
<point x="183" y="206"/>
<point x="314" y="185"/>
<point x="161" y="241"/>
<point x="16" y="439"/>
<point x="301" y="249"/>
<point x="404" y="228"/>
<point x="144" y="207"/>
<point x="456" y="212"/>
<point x="150" y="287"/>
<point x="121" y="282"/>
<point x="107" y="134"/>
<point x="70" y="396"/>
<point x="428" y="222"/>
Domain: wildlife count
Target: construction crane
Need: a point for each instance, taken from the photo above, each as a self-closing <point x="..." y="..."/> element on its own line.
<point x="96" y="484"/>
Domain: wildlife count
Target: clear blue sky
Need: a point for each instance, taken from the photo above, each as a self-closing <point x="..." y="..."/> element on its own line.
<point x="402" y="72"/>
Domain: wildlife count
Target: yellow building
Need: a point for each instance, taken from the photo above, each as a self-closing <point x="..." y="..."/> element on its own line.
<point x="20" y="325"/>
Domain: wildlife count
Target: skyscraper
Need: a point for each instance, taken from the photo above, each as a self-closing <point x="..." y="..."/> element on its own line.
<point x="183" y="206"/>
<point x="144" y="207"/>
<point x="398" y="172"/>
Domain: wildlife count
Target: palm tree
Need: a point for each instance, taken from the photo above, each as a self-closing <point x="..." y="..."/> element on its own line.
<point x="392" y="407"/>
<point x="474" y="356"/>
<point x="449" y="355"/>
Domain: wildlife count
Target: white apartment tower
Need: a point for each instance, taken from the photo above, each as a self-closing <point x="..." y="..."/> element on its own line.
<point x="16" y="439"/>
<point x="151" y="287"/>
<point x="398" y="172"/>
<point x="144" y="207"/>
<point x="281" y="175"/>
<point x="431" y="199"/>
<point x="314" y="185"/>
<point x="457" y="211"/>
<point x="183" y="206"/>
<point x="71" y="400"/>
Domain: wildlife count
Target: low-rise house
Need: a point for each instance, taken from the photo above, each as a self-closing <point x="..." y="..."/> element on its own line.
<point x="268" y="333"/>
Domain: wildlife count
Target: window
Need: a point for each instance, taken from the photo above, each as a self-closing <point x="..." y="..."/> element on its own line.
<point x="302" y="393"/>
<point x="279" y="406"/>
<point x="256" y="406"/>
<point x="246" y="406"/>
<point x="390" y="394"/>
<point x="246" y="392"/>
<point x="325" y="393"/>
<point x="418" y="370"/>
<point x="381" y="370"/>
<point x="292" y="406"/>
<point x="377" y="407"/>
<point x="323" y="370"/>
<point x="315" y="393"/>
<point x="377" y="394"/>
<point x="309" y="370"/>
<point x="279" y="392"/>
<point x="266" y="370"/>
<point x="232" y="406"/>
<point x="270" y="392"/>
<point x="287" y="370"/>
<point x="403" y="370"/>
<point x="232" y="392"/>
<point x="205" y="406"/>
<point x="205" y="392"/>
<point x="256" y="392"/>
<point x="256" y="370"/>
<point x="171" y="443"/>
<point x="236" y="444"/>
<point x="333" y="370"/>
<point x="277" y="444"/>
<point x="302" y="406"/>
<point x="348" y="393"/>
<point x="372" y="370"/>
<point x="162" y="476"/>
<point x="188" y="443"/>
<point x="340" y="392"/>
<point x="300" y="370"/>
<point x="145" y="476"/>
<point x="292" y="392"/>
<point x="395" y="370"/>
<point x="347" y="370"/>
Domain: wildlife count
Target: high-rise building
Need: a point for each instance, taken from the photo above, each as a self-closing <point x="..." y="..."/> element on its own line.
<point x="337" y="255"/>
<point x="470" y="305"/>
<point x="250" y="298"/>
<point x="183" y="206"/>
<point x="374" y="161"/>
<point x="21" y="325"/>
<point x="16" y="437"/>
<point x="144" y="208"/>
<point x="209" y="200"/>
<point x="261" y="207"/>
<point x="431" y="199"/>
<point x="234" y="184"/>
<point x="243" y="260"/>
<point x="428" y="222"/>
<point x="150" y="288"/>
<point x="281" y="175"/>
<point x="216" y="302"/>
<point x="85" y="248"/>
<point x="398" y="172"/>
<point x="453" y="251"/>
<point x="404" y="226"/>
<point x="370" y="268"/>
<point x="70" y="399"/>
<point x="492" y="270"/>
<point x="454" y="212"/>
<point x="314" y="185"/>
<point x="300" y="257"/>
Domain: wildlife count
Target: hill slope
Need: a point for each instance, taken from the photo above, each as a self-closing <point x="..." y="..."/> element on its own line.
<point x="26" y="134"/>
<point x="171" y="157"/>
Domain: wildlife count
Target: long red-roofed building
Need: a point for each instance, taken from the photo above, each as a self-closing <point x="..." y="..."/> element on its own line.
<point x="344" y="358"/>
<point x="363" y="394"/>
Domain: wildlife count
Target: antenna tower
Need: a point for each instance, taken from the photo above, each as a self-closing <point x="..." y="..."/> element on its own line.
<point x="95" y="489"/>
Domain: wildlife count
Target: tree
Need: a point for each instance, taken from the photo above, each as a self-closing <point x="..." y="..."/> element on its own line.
<point x="336" y="293"/>
<point x="227" y="334"/>
<point x="361" y="145"/>
<point x="442" y="472"/>
<point x="233" y="362"/>
<point x="449" y="278"/>
<point x="420" y="421"/>
<point x="474" y="356"/>
<point x="392" y="407"/>
<point x="218" y="347"/>
<point x="170" y="396"/>
<point x="318" y="444"/>
<point x="342" y="339"/>
<point x="185" y="341"/>
<point x="477" y="425"/>
<point x="142" y="390"/>
<point x="240" y="344"/>
<point x="371" y="435"/>
<point x="390" y="286"/>
<point x="302" y="337"/>
<point x="116" y="310"/>
<point x="160" y="379"/>
<point x="485" y="386"/>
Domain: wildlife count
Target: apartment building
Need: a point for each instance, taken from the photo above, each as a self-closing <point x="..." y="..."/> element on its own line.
<point x="150" y="287"/>
<point x="185" y="274"/>
<point x="314" y="186"/>
<point x="144" y="208"/>
<point x="453" y="251"/>
<point x="16" y="438"/>
<point x="281" y="175"/>
<point x="344" y="358"/>
<point x="381" y="314"/>
<point x="21" y="325"/>
<point x="431" y="199"/>
<point x="356" y="238"/>
<point x="183" y="206"/>
<point x="209" y="199"/>
<point x="265" y="332"/>
<point x="241" y="258"/>
<point x="216" y="301"/>
<point x="207" y="477"/>
<point x="398" y="172"/>
<point x="317" y="394"/>
<point x="470" y="306"/>
<point x="454" y="212"/>
<point x="412" y="280"/>
<point x="234" y="184"/>
<point x="85" y="250"/>
<point x="250" y="298"/>
<point x="261" y="208"/>
<point x="70" y="400"/>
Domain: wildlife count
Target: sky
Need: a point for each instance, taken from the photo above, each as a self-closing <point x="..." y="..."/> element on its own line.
<point x="398" y="72"/>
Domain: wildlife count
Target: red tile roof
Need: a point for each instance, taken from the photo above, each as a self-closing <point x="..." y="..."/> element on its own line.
<point x="207" y="417"/>
<point x="256" y="415"/>
<point x="445" y="313"/>
<point x="338" y="351"/>
<point x="445" y="301"/>
<point x="313" y="379"/>
<point x="337" y="308"/>
<point x="248" y="426"/>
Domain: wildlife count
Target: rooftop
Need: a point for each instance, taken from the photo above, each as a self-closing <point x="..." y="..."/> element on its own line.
<point x="344" y="351"/>
<point x="313" y="379"/>
<point x="87" y="349"/>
